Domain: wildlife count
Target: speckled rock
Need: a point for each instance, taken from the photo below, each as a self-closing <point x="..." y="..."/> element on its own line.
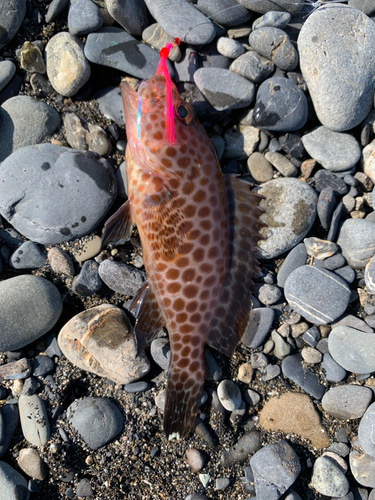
<point x="328" y="478"/>
<point x="357" y="241"/>
<point x="34" y="420"/>
<point x="100" y="340"/>
<point x="347" y="401"/>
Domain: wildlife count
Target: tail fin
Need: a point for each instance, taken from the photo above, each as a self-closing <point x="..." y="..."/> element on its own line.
<point x="184" y="389"/>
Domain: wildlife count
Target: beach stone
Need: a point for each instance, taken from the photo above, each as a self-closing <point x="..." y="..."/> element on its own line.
<point x="100" y="340"/>
<point x="31" y="58"/>
<point x="311" y="355"/>
<point x="333" y="371"/>
<point x="263" y="6"/>
<point x="55" y="8"/>
<point x="305" y="378"/>
<point x="67" y="67"/>
<point x="223" y="89"/>
<point x="7" y="71"/>
<point x="160" y="352"/>
<point x="294" y="413"/>
<point x="42" y="365"/>
<point x="365" y="429"/>
<point x="340" y="104"/>
<point x="249" y="443"/>
<point x="229" y="47"/>
<point x="280" y="105"/>
<point x="252" y="66"/>
<point x="370" y="275"/>
<point x="282" y="164"/>
<point x="368" y="161"/>
<point x="290" y="206"/>
<point x="326" y="179"/>
<point x="357" y="241"/>
<point x="52" y="194"/>
<point x="229" y="395"/>
<point x="11" y="18"/>
<point x="121" y="278"/>
<point x="275" y="468"/>
<point x="10" y="420"/>
<point x="275" y="45"/>
<point x="347" y="401"/>
<point x="25" y="121"/>
<point x="295" y="258"/>
<point x="84" y="488"/>
<point x="30" y="462"/>
<point x="60" y="261"/>
<point x="353" y="322"/>
<point x="260" y="169"/>
<point x="335" y="151"/>
<point x="361" y="346"/>
<point x="87" y="282"/>
<point x="240" y="142"/>
<point x="28" y="256"/>
<point x="33" y="304"/>
<point x="319" y="295"/>
<point x="361" y="465"/>
<point x="15" y="370"/>
<point x="326" y="206"/>
<point x="136" y="387"/>
<point x="157" y="38"/>
<point x="132" y="15"/>
<point x="89" y="250"/>
<point x="260" y="323"/>
<point x="320" y="249"/>
<point x="34" y="419"/>
<point x="110" y="104"/>
<point x="195" y="459"/>
<point x="199" y="30"/>
<point x="97" y="420"/>
<point x="328" y="478"/>
<point x="186" y="66"/>
<point x="273" y="19"/>
<point x="12" y="484"/>
<point x="229" y="15"/>
<point x="245" y="373"/>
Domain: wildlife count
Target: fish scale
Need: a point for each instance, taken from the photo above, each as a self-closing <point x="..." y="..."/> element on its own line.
<point x="187" y="213"/>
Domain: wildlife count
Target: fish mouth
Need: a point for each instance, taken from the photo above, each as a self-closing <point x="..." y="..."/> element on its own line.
<point x="130" y="100"/>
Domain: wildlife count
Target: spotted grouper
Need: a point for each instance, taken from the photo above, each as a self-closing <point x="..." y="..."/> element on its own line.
<point x="198" y="230"/>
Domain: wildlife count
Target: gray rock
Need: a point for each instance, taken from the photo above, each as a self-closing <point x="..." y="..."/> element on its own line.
<point x="87" y="282"/>
<point x="260" y="169"/>
<point x="67" y="67"/>
<point x="84" y="488"/>
<point x="11" y="17"/>
<point x="333" y="150"/>
<point x="223" y="89"/>
<point x="295" y="258"/>
<point x="53" y="194"/>
<point x="333" y="371"/>
<point x="60" y="261"/>
<point x="344" y="339"/>
<point x="365" y="429"/>
<point x="30" y="302"/>
<point x="229" y="47"/>
<point x="282" y="164"/>
<point x="280" y="106"/>
<point x="340" y="104"/>
<point x="115" y="48"/>
<point x="275" y="45"/>
<point x="136" y="387"/>
<point x="270" y="372"/>
<point x="187" y="66"/>
<point x="34" y="420"/>
<point x="229" y="15"/>
<point x="318" y="295"/>
<point x="132" y="15"/>
<point x="10" y="420"/>
<point x="328" y="477"/>
<point x="272" y="19"/>
<point x="13" y="485"/>
<point x="156" y="37"/>
<point x="326" y="179"/>
<point x="282" y="348"/>
<point x="275" y="468"/>
<point x="260" y="323"/>
<point x="252" y="66"/>
<point x="173" y="17"/>
<point x="160" y="352"/>
<point x="305" y="379"/>
<point x="28" y="256"/>
<point x="290" y="212"/>
<point x="247" y="444"/>
<point x="263" y="6"/>
<point x="195" y="459"/>
<point x="229" y="395"/>
<point x="42" y="365"/>
<point x="15" y="370"/>
<point x="110" y="104"/>
<point x="370" y="275"/>
<point x="357" y="241"/>
<point x="25" y="121"/>
<point x="97" y="420"/>
<point x="121" y="278"/>
<point x="347" y="401"/>
<point x="361" y="465"/>
<point x="7" y="70"/>
<point x="353" y="322"/>
<point x="55" y="8"/>
<point x="326" y="206"/>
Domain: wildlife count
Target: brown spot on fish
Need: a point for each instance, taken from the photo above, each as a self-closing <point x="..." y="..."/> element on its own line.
<point x="198" y="254"/>
<point x="173" y="274"/>
<point x="183" y="162"/>
<point x="188" y="275"/>
<point x="173" y="287"/>
<point x="158" y="136"/>
<point x="182" y="262"/>
<point x="178" y="305"/>
<point x="192" y="306"/>
<point x="199" y="196"/>
<point x="171" y="152"/>
<point x="190" y="291"/>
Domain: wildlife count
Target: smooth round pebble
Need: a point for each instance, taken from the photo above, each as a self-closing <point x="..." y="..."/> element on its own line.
<point x="30" y="462"/>
<point x="282" y="164"/>
<point x="229" y="395"/>
<point x="28" y="256"/>
<point x="87" y="282"/>
<point x="60" y="261"/>
<point x="121" y="278"/>
<point x="229" y="47"/>
<point x="333" y="371"/>
<point x="249" y="443"/>
<point x="84" y="17"/>
<point x="42" y="365"/>
<point x="7" y="71"/>
<point x="260" y="169"/>
<point x="195" y="459"/>
<point x="361" y="346"/>
<point x="160" y="352"/>
<point x="136" y="387"/>
<point x="361" y="464"/>
<point x="370" y="275"/>
<point x="295" y="258"/>
<point x="365" y="429"/>
<point x="252" y="66"/>
<point x="328" y="478"/>
<point x="34" y="420"/>
<point x="260" y="323"/>
<point x="347" y="401"/>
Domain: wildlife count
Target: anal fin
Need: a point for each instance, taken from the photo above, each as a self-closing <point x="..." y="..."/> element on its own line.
<point x="148" y="317"/>
<point x="233" y="311"/>
<point x="119" y="226"/>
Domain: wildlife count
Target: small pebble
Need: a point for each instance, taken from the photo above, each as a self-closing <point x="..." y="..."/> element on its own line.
<point x="30" y="462"/>
<point x="195" y="459"/>
<point x="328" y="478"/>
<point x="229" y="395"/>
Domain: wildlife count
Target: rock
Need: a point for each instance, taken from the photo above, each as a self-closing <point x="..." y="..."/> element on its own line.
<point x="89" y="250"/>
<point x="311" y="355"/>
<point x="195" y="459"/>
<point x="280" y="105"/>
<point x="42" y="365"/>
<point x="9" y="423"/>
<point x="15" y="370"/>
<point x="229" y="395"/>
<point x="157" y="38"/>
<point x="272" y="19"/>
<point x="132" y="15"/>
<point x="241" y="142"/>
<point x="282" y="164"/>
<point x="99" y="340"/>
<point x="87" y="282"/>
<point x="282" y="348"/>
<point x="367" y="160"/>
<point x="34" y="420"/>
<point x="260" y="169"/>
<point x="275" y="45"/>
<point x="326" y="206"/>
<point x="294" y="413"/>
<point x="305" y="378"/>
<point x="247" y="444"/>
<point x="361" y="465"/>
<point x="31" y="463"/>
<point x="172" y="18"/>
<point x="252" y="66"/>
<point x="370" y="275"/>
<point x="333" y="150"/>
<point x="25" y="121"/>
<point x="31" y="58"/>
<point x="136" y="387"/>
<point x="55" y="8"/>
<point x="107" y="47"/>
<point x="339" y="103"/>
<point x="295" y="258"/>
<point x="11" y="17"/>
<point x="52" y="211"/>
<point x="12" y="484"/>
<point x="275" y="468"/>
<point x="344" y="339"/>
<point x="333" y="371"/>
<point x="357" y="241"/>
<point x="110" y="104"/>
<point x="223" y="89"/>
<point x="328" y="478"/>
<point x="7" y="71"/>
<point x="320" y="249"/>
<point x="229" y="47"/>
<point x="85" y="136"/>
<point x="160" y="352"/>
<point x="245" y="373"/>
<point x="60" y="261"/>
<point x="365" y="429"/>
<point x="31" y="302"/>
<point x="260" y="323"/>
<point x="28" y="256"/>
<point x="290" y="206"/>
<point x="84" y="488"/>
<point x="326" y="179"/>
<point x="347" y="401"/>
<point x="263" y="6"/>
<point x="97" y="420"/>
<point x="67" y="67"/>
<point x="318" y="295"/>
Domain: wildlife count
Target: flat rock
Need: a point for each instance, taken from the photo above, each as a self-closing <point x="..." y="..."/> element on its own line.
<point x="157" y="38"/>
<point x="294" y="413"/>
<point x="110" y="104"/>
<point x="347" y="401"/>
<point x="121" y="278"/>
<point x="84" y="17"/>
<point x="30" y="462"/>
<point x="361" y="346"/>
<point x="34" y="420"/>
<point x="132" y="15"/>
<point x="370" y="275"/>
<point x="52" y="194"/>
<point x="295" y="258"/>
<point x="305" y="378"/>
<point x="366" y="429"/>
<point x="263" y="6"/>
<point x="290" y="211"/>
<point x="273" y="19"/>
<point x="275" y="45"/>
<point x="252" y="66"/>
<point x="229" y="395"/>
<point x="260" y="323"/>
<point x="317" y="294"/>
<point x="11" y="17"/>
<point x="340" y="103"/>
<point x="100" y="340"/>
<point x="10" y="420"/>
<point x="32" y="303"/>
<point x="357" y="241"/>
<point x="361" y="465"/>
<point x="335" y="151"/>
<point x="97" y="420"/>
<point x="25" y="121"/>
<point x="12" y="484"/>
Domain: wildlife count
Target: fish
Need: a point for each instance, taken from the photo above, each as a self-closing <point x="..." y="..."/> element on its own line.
<point x="198" y="230"/>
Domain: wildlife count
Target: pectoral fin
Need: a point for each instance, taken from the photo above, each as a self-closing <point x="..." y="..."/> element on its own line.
<point x="119" y="226"/>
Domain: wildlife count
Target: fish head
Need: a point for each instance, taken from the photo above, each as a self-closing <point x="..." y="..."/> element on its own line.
<point x="145" y="117"/>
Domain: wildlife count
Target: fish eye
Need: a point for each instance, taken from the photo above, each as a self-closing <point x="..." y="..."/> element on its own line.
<point x="186" y="114"/>
<point x="182" y="112"/>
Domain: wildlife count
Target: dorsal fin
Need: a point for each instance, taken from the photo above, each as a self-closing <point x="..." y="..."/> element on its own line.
<point x="148" y="317"/>
<point x="119" y="226"/>
<point x="233" y="312"/>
